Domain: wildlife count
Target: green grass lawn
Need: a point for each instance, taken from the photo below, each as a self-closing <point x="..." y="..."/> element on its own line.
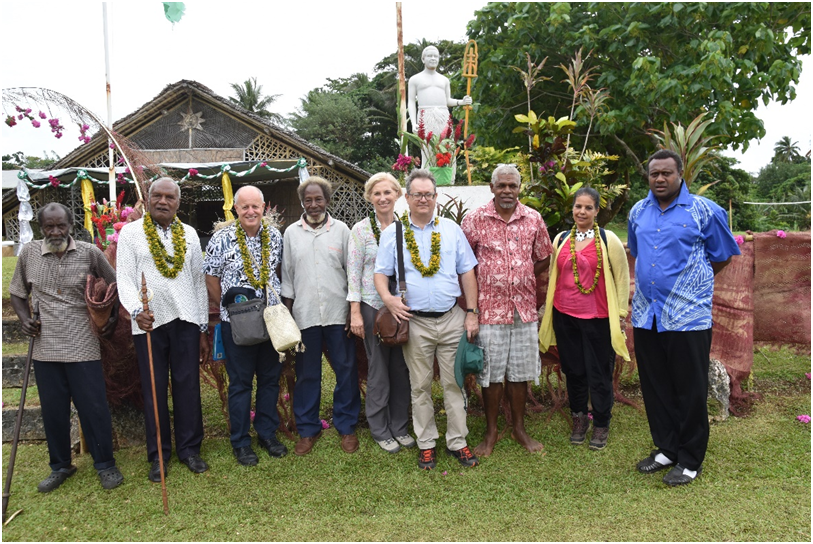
<point x="9" y="263"/>
<point x="755" y="486"/>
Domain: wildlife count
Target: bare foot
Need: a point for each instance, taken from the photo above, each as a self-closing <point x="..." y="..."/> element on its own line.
<point x="484" y="448"/>
<point x="529" y="443"/>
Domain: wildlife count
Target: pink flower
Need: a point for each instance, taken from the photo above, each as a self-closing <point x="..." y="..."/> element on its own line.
<point x="263" y="164"/>
<point x="27" y="110"/>
<point x="193" y="172"/>
<point x="807" y="375"/>
<point x="781" y="234"/>
<point x="287" y="396"/>
<point x="739" y="239"/>
<point x="58" y="135"/>
<point x="402" y="164"/>
<point x="325" y="424"/>
<point x="43" y="116"/>
<point x="252" y="414"/>
<point x="53" y="181"/>
<point x="804" y="418"/>
<point x="20" y="117"/>
<point x="589" y="415"/>
<point x="35" y="123"/>
<point x="10" y="120"/>
<point x="119" y="225"/>
<point x="112" y="145"/>
<point x="113" y="237"/>
<point x="85" y="128"/>
<point x="126" y="212"/>
<point x="444" y="473"/>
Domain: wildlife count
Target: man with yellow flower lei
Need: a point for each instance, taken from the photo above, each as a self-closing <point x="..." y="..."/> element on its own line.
<point x="169" y="255"/>
<point x="241" y="260"/>
<point x="437" y="259"/>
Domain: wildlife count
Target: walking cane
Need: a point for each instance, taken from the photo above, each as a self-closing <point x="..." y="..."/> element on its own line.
<point x="19" y="423"/>
<point x="145" y="301"/>
<point x="469" y="72"/>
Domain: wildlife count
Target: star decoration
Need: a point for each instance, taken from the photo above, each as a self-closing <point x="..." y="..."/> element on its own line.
<point x="192" y="121"/>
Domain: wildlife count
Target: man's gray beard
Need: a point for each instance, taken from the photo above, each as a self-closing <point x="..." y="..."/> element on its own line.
<point x="505" y="206"/>
<point x="318" y="219"/>
<point x="55" y="245"/>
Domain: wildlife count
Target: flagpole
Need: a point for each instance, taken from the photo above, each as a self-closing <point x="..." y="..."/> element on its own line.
<point x="112" y="169"/>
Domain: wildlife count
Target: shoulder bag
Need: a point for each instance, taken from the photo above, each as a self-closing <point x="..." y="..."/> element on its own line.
<point x="389" y="331"/>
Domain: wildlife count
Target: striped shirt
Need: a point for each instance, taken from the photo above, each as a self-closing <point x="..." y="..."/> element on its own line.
<point x="58" y="284"/>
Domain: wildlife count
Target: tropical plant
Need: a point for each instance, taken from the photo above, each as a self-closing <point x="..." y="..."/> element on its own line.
<point x="530" y="79"/>
<point x="249" y="96"/>
<point x="453" y="209"/>
<point x="690" y="143"/>
<point x="786" y="150"/>
<point x="440" y="149"/>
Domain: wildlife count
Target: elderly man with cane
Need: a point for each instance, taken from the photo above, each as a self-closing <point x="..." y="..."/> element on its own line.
<point x="66" y="355"/>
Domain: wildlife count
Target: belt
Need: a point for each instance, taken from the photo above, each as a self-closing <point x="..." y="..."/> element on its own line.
<point x="431" y="314"/>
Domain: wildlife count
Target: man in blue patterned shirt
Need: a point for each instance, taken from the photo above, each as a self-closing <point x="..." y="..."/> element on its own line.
<point x="679" y="242"/>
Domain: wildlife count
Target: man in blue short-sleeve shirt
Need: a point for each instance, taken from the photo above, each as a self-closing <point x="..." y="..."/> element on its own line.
<point x="679" y="242"/>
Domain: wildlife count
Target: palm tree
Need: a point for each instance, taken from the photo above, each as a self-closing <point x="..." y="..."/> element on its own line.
<point x="786" y="150"/>
<point x="250" y="97"/>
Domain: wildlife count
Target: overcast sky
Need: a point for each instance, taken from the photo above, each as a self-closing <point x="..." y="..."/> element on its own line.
<point x="291" y="47"/>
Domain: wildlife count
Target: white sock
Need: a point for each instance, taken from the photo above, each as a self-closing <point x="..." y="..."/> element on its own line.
<point x="662" y="459"/>
<point x="690" y="473"/>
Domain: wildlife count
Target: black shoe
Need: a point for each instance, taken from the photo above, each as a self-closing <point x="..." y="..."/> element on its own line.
<point x="676" y="477"/>
<point x="110" y="477"/>
<point x="649" y="465"/>
<point x="273" y="446"/>
<point x="55" y="479"/>
<point x="465" y="456"/>
<point x="246" y="456"/>
<point x="155" y="471"/>
<point x="195" y="463"/>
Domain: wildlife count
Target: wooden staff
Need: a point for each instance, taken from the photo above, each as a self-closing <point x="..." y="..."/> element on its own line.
<point x="19" y="422"/>
<point x="469" y="72"/>
<point x="145" y="301"/>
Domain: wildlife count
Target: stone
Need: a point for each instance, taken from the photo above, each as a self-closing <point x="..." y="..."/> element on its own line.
<point x="12" y="331"/>
<point x="719" y="390"/>
<point x="13" y="370"/>
<point x="31" y="428"/>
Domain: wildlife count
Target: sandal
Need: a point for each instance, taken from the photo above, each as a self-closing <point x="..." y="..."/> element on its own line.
<point x="111" y="477"/>
<point x="650" y="465"/>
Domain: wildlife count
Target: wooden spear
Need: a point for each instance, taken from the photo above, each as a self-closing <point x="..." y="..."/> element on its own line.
<point x="145" y="301"/>
<point x="19" y="422"/>
<point x="469" y="72"/>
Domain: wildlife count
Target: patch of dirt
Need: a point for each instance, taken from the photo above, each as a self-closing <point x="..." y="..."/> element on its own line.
<point x="8" y="311"/>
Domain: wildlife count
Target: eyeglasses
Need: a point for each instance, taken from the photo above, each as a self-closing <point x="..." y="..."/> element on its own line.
<point x="423" y="196"/>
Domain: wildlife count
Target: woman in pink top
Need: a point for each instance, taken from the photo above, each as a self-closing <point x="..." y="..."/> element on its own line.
<point x="587" y="299"/>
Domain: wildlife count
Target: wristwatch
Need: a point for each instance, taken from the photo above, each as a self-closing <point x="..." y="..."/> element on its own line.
<point x="474" y="311"/>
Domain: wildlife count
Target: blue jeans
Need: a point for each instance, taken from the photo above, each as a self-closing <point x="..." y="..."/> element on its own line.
<point x="242" y="363"/>
<point x="308" y="389"/>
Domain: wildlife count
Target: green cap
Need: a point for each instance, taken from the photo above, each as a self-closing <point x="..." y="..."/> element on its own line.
<point x="468" y="360"/>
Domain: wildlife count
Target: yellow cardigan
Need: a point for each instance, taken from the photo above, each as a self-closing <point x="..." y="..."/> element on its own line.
<point x="617" y="283"/>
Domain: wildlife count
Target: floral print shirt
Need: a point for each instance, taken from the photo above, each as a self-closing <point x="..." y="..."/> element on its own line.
<point x="223" y="260"/>
<point x="506" y="253"/>
<point x="361" y="254"/>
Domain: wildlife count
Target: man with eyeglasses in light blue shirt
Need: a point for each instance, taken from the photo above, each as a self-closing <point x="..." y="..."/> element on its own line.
<point x="437" y="260"/>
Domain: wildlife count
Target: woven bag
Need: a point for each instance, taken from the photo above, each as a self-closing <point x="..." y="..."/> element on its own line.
<point x="282" y="329"/>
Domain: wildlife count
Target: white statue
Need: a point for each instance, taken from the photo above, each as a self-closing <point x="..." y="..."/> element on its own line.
<point x="429" y="96"/>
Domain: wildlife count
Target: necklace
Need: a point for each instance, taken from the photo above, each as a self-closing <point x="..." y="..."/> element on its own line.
<point x="265" y="269"/>
<point x="412" y="246"/>
<point x="168" y="266"/>
<point x="573" y="238"/>
<point x="582" y="236"/>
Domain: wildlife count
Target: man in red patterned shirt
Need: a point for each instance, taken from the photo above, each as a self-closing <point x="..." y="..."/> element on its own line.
<point x="512" y="246"/>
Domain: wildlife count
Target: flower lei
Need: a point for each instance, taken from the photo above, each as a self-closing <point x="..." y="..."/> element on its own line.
<point x="597" y="241"/>
<point x="169" y="267"/>
<point x="374" y="226"/>
<point x="412" y="246"/>
<point x="265" y="269"/>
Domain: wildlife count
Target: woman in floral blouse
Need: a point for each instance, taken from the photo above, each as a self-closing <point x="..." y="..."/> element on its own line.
<point x="388" y="391"/>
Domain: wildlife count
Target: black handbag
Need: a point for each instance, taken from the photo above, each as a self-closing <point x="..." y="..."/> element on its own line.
<point x="246" y="317"/>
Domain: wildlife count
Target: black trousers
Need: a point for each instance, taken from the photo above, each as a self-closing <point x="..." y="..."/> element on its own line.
<point x="674" y="371"/>
<point x="587" y="358"/>
<point x="175" y="347"/>
<point x="83" y="382"/>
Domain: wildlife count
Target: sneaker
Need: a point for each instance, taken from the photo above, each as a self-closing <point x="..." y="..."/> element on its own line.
<point x="389" y="445"/>
<point x="427" y="460"/>
<point x="56" y="479"/>
<point x="599" y="438"/>
<point x="580" y="425"/>
<point x="111" y="477"/>
<point x="274" y="447"/>
<point x="406" y="441"/>
<point x="465" y="456"/>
